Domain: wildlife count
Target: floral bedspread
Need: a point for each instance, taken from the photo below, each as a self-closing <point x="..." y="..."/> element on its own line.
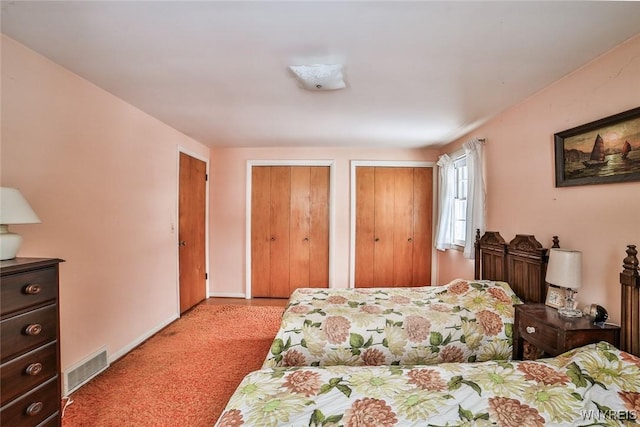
<point x="463" y="321"/>
<point x="592" y="385"/>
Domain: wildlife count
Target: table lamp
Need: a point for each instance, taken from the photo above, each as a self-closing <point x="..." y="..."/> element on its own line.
<point x="565" y="270"/>
<point x="14" y="209"/>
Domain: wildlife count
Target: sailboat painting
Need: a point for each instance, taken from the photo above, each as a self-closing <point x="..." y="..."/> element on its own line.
<point x="626" y="149"/>
<point x="604" y="151"/>
<point x="597" y="157"/>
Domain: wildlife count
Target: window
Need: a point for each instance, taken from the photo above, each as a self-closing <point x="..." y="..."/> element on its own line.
<point x="459" y="211"/>
<point x="461" y="198"/>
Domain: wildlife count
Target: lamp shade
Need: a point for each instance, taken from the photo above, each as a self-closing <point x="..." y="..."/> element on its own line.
<point x="14" y="209"/>
<point x="565" y="268"/>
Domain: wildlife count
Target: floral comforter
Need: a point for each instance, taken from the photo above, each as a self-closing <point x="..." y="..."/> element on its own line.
<point x="592" y="385"/>
<point x="463" y="321"/>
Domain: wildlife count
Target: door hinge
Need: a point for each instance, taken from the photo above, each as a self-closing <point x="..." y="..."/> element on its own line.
<point x="206" y="177"/>
<point x="206" y="276"/>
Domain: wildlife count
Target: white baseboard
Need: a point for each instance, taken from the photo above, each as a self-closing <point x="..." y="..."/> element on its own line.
<point x="126" y="349"/>
<point x="226" y="295"/>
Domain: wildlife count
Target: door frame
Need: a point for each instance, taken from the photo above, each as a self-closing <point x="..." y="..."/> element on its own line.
<point x="175" y="225"/>
<point x="352" y="209"/>
<point x="250" y="165"/>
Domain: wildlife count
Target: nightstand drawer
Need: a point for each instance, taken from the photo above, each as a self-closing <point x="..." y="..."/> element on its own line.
<point x="27" y="371"/>
<point x="540" y="335"/>
<point x="34" y="407"/>
<point x="28" y="331"/>
<point x="27" y="289"/>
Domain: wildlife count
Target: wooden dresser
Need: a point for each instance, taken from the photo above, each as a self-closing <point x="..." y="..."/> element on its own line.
<point x="30" y="380"/>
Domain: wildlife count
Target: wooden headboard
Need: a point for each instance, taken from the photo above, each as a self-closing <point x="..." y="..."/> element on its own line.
<point x="630" y="303"/>
<point x="522" y="263"/>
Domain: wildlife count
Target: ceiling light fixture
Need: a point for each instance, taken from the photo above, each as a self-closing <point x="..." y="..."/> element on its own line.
<point x="319" y="76"/>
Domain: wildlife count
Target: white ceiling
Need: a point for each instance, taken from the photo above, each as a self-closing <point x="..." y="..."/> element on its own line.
<point x="418" y="73"/>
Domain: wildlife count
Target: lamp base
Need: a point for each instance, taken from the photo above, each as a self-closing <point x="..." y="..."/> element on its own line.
<point x="569" y="312"/>
<point x="9" y="243"/>
<point x="569" y="309"/>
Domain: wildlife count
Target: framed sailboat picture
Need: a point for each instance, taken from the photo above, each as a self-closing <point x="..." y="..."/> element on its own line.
<point x="604" y="151"/>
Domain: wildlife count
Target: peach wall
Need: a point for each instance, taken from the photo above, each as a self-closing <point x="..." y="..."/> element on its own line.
<point x="228" y="206"/>
<point x="102" y="176"/>
<point x="599" y="220"/>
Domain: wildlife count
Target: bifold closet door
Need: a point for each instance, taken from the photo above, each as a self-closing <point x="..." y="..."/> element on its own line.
<point x="289" y="229"/>
<point x="422" y="225"/>
<point x="393" y="226"/>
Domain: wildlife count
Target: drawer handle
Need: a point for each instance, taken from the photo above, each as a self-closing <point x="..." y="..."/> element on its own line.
<point x="34" y="369"/>
<point x="34" y="408"/>
<point x="33" y="329"/>
<point x="531" y="330"/>
<point x="33" y="289"/>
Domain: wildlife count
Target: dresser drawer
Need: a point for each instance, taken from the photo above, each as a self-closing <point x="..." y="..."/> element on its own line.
<point x="34" y="407"/>
<point x="27" y="371"/>
<point x="540" y="335"/>
<point x="53" y="420"/>
<point x="27" y="289"/>
<point x="27" y="331"/>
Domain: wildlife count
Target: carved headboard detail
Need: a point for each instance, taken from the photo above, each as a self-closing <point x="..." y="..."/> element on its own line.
<point x="527" y="267"/>
<point x="522" y="263"/>
<point x="490" y="257"/>
<point x="630" y="300"/>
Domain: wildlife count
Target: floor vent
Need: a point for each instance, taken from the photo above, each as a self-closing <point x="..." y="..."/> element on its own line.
<point x="84" y="370"/>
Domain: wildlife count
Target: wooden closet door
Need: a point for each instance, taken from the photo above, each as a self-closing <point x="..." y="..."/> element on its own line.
<point x="289" y="229"/>
<point x="280" y="217"/>
<point x="422" y="225"/>
<point x="393" y="226"/>
<point x="365" y="227"/>
<point x="300" y="228"/>
<point x="260" y="231"/>
<point x="319" y="227"/>
<point x="383" y="223"/>
<point x="403" y="223"/>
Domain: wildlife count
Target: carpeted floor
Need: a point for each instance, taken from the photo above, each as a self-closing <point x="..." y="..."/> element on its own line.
<point x="182" y="376"/>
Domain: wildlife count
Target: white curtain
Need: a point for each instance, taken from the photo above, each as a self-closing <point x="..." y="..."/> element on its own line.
<point x="475" y="195"/>
<point x="446" y="193"/>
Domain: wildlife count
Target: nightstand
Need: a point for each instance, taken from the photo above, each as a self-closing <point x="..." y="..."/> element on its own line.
<point x="545" y="329"/>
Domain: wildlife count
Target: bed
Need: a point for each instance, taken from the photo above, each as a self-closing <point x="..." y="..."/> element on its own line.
<point x="570" y="389"/>
<point x="463" y="321"/>
<point x="596" y="384"/>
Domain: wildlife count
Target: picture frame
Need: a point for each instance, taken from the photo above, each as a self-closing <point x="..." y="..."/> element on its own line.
<point x="603" y="151"/>
<point x="555" y="296"/>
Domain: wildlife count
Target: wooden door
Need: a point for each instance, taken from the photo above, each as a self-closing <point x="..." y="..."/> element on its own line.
<point x="403" y="226"/>
<point x="319" y="227"/>
<point x="289" y="229"/>
<point x="260" y="231"/>
<point x="191" y="231"/>
<point x="365" y="230"/>
<point x="393" y="226"/>
<point x="279" y="210"/>
<point x="383" y="220"/>
<point x="422" y="225"/>
<point x="300" y="227"/>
